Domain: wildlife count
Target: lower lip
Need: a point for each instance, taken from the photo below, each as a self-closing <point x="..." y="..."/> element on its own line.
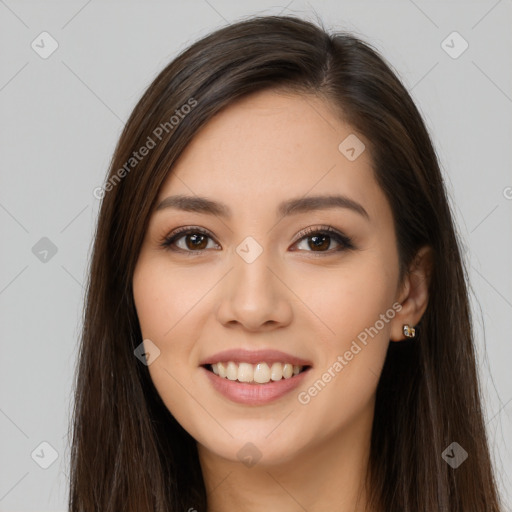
<point x="254" y="394"/>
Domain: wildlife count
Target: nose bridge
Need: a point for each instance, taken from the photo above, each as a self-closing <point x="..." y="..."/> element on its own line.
<point x="252" y="295"/>
<point x="252" y="277"/>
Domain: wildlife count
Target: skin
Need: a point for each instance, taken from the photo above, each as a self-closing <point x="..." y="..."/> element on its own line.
<point x="309" y="302"/>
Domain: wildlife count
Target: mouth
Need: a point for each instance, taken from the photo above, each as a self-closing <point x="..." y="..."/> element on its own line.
<point x="259" y="373"/>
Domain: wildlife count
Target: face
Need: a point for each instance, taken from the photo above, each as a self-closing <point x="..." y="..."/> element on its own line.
<point x="266" y="280"/>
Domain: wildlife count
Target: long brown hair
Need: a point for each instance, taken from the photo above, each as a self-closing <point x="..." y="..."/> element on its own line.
<point x="128" y="452"/>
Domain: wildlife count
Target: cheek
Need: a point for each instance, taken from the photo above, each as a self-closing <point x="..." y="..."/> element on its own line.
<point x="172" y="306"/>
<point x="167" y="302"/>
<point x="357" y="306"/>
<point x="163" y="297"/>
<point x="348" y="301"/>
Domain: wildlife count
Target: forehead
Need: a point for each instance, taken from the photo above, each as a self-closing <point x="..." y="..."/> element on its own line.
<point x="270" y="146"/>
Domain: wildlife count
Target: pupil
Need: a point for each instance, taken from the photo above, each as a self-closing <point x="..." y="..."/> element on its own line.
<point x="198" y="240"/>
<point x="323" y="238"/>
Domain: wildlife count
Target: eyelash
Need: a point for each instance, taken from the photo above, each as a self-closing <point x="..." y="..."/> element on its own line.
<point x="344" y="241"/>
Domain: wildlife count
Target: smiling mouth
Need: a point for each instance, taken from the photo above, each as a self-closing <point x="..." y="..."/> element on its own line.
<point x="261" y="373"/>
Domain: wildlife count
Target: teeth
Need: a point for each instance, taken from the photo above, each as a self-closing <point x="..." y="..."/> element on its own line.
<point x="276" y="371"/>
<point x="260" y="373"/>
<point x="232" y="371"/>
<point x="245" y="372"/>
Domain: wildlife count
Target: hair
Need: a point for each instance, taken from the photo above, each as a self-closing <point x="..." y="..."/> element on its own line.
<point x="128" y="452"/>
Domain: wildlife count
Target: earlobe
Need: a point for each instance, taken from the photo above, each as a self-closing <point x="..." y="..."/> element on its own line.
<point x="413" y="296"/>
<point x="409" y="331"/>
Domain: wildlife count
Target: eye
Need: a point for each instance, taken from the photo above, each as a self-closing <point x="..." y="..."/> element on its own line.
<point x="195" y="240"/>
<point x="322" y="237"/>
<point x="191" y="239"/>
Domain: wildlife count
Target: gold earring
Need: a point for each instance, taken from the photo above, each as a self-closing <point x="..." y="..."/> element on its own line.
<point x="409" y="332"/>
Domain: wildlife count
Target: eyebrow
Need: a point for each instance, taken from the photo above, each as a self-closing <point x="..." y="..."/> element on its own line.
<point x="299" y="205"/>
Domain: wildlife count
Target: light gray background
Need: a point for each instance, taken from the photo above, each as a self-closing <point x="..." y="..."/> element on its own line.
<point x="60" y="120"/>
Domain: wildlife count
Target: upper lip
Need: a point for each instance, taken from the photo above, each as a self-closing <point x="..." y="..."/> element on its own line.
<point x="254" y="356"/>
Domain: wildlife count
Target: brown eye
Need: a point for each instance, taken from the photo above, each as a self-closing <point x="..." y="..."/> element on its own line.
<point x="195" y="241"/>
<point x="320" y="240"/>
<point x="317" y="240"/>
<point x="187" y="240"/>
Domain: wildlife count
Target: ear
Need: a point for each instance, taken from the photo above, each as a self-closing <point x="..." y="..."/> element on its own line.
<point x="413" y="293"/>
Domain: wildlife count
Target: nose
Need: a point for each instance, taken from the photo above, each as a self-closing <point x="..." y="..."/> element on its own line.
<point x="254" y="297"/>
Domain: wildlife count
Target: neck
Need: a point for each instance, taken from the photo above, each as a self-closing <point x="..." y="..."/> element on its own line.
<point x="327" y="476"/>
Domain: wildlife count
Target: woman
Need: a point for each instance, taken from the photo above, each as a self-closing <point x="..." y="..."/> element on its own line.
<point x="277" y="314"/>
